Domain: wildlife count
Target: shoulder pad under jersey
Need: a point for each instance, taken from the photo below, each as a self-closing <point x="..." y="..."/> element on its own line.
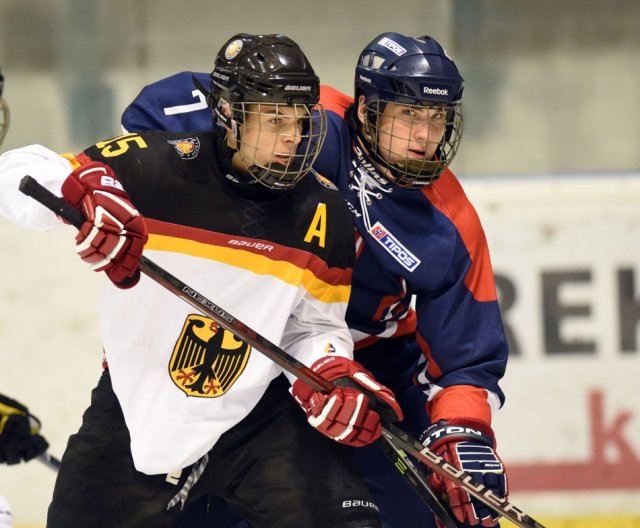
<point x="173" y="103"/>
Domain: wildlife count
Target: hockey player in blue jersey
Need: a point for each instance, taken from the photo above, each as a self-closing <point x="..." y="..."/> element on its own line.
<point x="423" y="310"/>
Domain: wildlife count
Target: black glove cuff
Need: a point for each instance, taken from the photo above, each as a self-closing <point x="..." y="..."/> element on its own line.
<point x="443" y="432"/>
<point x="128" y="282"/>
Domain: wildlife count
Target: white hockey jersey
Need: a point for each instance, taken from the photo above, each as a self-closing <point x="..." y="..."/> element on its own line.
<point x="279" y="263"/>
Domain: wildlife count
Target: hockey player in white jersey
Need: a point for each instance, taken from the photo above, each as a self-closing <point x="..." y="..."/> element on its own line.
<point x="184" y="408"/>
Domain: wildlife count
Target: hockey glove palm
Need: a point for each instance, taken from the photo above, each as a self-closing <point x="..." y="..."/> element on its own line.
<point x="467" y="445"/>
<point x="114" y="234"/>
<point x="344" y="414"/>
<point x="19" y="438"/>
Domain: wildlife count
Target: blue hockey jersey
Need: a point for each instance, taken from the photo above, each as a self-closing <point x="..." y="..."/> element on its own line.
<point x="422" y="267"/>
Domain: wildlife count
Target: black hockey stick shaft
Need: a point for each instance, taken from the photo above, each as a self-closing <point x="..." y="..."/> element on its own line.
<point x="393" y="434"/>
<point x="49" y="460"/>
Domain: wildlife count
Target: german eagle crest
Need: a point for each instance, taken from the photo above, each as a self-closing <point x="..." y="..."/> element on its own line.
<point x="207" y="359"/>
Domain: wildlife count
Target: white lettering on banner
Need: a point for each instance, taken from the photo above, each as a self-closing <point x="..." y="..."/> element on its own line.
<point x="581" y="302"/>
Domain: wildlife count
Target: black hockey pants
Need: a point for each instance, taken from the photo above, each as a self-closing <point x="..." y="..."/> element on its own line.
<point x="272" y="468"/>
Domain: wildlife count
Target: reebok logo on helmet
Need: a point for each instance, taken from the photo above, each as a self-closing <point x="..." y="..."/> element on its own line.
<point x="434" y="91"/>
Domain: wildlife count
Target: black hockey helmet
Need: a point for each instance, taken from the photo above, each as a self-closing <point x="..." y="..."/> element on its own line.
<point x="264" y="69"/>
<point x="272" y="70"/>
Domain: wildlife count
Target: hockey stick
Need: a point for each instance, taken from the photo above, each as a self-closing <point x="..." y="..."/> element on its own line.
<point x="49" y="460"/>
<point x="415" y="478"/>
<point x="393" y="434"/>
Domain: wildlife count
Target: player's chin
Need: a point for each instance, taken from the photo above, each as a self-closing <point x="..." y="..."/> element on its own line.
<point x="281" y="163"/>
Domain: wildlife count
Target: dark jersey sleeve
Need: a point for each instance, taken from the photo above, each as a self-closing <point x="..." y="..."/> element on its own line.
<point x="136" y="159"/>
<point x="334" y="157"/>
<point x="174" y="103"/>
<point x="459" y="325"/>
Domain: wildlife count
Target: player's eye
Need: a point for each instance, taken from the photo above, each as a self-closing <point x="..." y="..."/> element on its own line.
<point x="438" y="117"/>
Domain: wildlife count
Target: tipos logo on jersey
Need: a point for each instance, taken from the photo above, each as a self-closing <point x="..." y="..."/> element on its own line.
<point x="394" y="247"/>
<point x="207" y="359"/>
<point x="188" y="148"/>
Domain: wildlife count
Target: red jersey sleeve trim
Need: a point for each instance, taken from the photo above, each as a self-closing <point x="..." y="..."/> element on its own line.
<point x="335" y="101"/>
<point x="434" y="371"/>
<point x="447" y="196"/>
<point x="175" y="234"/>
<point x="460" y="401"/>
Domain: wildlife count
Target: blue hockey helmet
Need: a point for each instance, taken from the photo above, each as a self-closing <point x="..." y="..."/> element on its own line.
<point x="418" y="72"/>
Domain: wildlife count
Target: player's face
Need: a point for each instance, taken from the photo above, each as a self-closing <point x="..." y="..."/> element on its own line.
<point x="408" y="132"/>
<point x="271" y="134"/>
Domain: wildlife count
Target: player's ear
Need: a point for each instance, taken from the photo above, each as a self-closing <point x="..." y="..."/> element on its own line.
<point x="362" y="108"/>
<point x="362" y="115"/>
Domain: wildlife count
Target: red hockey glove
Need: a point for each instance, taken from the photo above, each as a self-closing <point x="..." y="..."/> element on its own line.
<point x="467" y="445"/>
<point x="19" y="438"/>
<point x="114" y="234"/>
<point x="344" y="414"/>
